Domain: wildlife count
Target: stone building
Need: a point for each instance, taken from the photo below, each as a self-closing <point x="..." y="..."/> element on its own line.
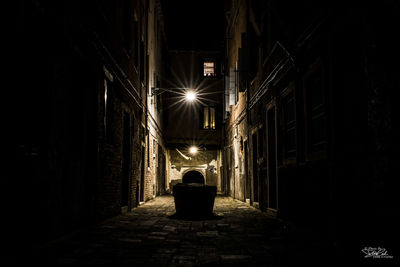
<point x="155" y="175"/>
<point x="88" y="139"/>
<point x="294" y="96"/>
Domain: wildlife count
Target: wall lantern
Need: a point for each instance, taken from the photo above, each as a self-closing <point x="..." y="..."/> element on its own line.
<point x="193" y="150"/>
<point x="190" y="94"/>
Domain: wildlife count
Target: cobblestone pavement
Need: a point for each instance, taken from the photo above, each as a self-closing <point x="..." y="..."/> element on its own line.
<point x="240" y="235"/>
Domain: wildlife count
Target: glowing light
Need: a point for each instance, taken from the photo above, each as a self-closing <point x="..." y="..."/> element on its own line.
<point x="190" y="96"/>
<point x="193" y="150"/>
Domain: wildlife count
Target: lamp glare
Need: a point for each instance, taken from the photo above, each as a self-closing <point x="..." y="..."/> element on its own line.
<point x="190" y="96"/>
<point x="193" y="150"/>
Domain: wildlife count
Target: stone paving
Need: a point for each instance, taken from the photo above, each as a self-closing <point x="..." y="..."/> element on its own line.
<point x="239" y="235"/>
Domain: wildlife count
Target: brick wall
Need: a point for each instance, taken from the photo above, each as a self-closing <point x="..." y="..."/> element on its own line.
<point x="111" y="169"/>
<point x="150" y="171"/>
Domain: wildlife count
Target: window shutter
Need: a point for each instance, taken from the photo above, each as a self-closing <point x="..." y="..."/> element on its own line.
<point x="212" y="117"/>
<point x="227" y="95"/>
<point x="232" y="89"/>
<point x="206" y="116"/>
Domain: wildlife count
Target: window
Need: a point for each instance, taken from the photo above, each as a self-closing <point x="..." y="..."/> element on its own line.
<point x="209" y="118"/>
<point x="143" y="135"/>
<point x="148" y="149"/>
<point x="209" y="69"/>
<point x="232" y="87"/>
<point x="236" y="83"/>
<point x="108" y="106"/>
<point x="154" y="148"/>
<point x="158" y="97"/>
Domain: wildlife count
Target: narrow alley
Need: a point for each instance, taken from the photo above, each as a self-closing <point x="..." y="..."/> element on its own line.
<point x="239" y="235"/>
<point x="272" y="124"/>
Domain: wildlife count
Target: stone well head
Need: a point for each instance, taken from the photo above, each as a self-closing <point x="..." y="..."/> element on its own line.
<point x="193" y="177"/>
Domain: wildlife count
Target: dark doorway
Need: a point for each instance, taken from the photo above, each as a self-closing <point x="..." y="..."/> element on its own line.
<point x="246" y="172"/>
<point x="262" y="172"/>
<point x="142" y="172"/>
<point x="193" y="177"/>
<point x="272" y="188"/>
<point x="231" y="172"/>
<point x="255" y="167"/>
<point x="161" y="172"/>
<point x="226" y="172"/>
<point x="126" y="159"/>
<point x="137" y="194"/>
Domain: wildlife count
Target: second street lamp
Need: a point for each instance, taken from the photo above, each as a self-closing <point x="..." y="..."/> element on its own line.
<point x="193" y="150"/>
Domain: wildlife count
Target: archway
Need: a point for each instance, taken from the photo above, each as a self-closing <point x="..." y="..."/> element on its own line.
<point x="193" y="177"/>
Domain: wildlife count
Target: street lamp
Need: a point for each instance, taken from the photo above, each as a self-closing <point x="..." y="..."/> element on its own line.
<point x="190" y="95"/>
<point x="193" y="150"/>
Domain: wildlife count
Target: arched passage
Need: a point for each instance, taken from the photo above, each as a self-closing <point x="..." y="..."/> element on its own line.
<point x="193" y="177"/>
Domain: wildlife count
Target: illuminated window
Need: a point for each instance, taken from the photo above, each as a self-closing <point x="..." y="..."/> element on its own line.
<point x="209" y="69"/>
<point x="208" y="117"/>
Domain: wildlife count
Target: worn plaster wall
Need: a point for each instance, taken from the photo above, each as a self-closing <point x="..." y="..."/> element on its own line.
<point x="205" y="162"/>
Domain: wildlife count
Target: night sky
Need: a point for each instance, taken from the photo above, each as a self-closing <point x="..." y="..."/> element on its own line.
<point x="194" y="24"/>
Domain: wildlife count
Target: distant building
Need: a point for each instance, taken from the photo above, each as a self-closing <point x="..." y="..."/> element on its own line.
<point x="197" y="121"/>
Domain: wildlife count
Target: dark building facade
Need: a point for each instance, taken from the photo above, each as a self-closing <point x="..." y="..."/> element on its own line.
<point x="80" y="140"/>
<point x="295" y="111"/>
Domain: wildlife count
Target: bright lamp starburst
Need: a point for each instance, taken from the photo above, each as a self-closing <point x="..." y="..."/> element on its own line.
<point x="190" y="96"/>
<point x="193" y="150"/>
